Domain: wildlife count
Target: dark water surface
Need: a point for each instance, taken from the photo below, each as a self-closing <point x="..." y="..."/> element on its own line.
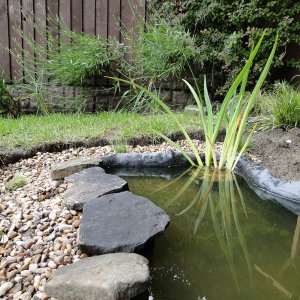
<point x="223" y="241"/>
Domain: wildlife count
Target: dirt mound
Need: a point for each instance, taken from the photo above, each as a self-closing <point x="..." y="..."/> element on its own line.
<point x="279" y="151"/>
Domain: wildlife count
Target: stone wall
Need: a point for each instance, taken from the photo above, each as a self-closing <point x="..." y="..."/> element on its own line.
<point x="92" y="99"/>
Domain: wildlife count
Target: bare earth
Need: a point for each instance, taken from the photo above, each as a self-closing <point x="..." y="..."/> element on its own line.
<point x="279" y="151"/>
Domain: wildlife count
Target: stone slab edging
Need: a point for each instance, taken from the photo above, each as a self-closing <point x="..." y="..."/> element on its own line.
<point x="266" y="186"/>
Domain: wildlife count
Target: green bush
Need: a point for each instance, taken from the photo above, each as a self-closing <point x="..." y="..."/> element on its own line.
<point x="85" y="57"/>
<point x="227" y="30"/>
<point x="160" y="52"/>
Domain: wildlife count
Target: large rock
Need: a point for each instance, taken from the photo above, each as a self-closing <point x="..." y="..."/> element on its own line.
<point x="64" y="169"/>
<point x="90" y="184"/>
<point x="121" y="222"/>
<point x="118" y="276"/>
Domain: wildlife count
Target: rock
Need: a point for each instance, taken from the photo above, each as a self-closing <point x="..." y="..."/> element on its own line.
<point x="25" y="296"/>
<point x="90" y="184"/>
<point x="76" y="223"/>
<point x="5" y="287"/>
<point x="106" y="277"/>
<point x="121" y="222"/>
<point x="64" y="169"/>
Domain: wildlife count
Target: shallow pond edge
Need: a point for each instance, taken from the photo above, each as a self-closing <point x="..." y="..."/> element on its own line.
<point x="266" y="186"/>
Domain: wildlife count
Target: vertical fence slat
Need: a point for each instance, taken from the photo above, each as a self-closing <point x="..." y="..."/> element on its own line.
<point x="28" y="30"/>
<point x="89" y="15"/>
<point x="15" y="39"/>
<point x="40" y="32"/>
<point x="65" y="16"/>
<point x="101" y="18"/>
<point x="52" y="13"/>
<point x="77" y="16"/>
<point x="101" y="29"/>
<point x="4" y="41"/>
<point x="114" y="19"/>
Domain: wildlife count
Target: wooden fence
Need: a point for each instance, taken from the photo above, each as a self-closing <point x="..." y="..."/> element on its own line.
<point x="95" y="17"/>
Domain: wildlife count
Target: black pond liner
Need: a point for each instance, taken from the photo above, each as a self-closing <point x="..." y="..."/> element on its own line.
<point x="267" y="187"/>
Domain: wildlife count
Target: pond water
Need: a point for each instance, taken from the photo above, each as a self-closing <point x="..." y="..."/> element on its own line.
<point x="223" y="241"/>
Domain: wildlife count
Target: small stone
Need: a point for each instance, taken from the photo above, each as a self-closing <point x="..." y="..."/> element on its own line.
<point x="5" y="287"/>
<point x="15" y="289"/>
<point x="33" y="267"/>
<point x="63" y="227"/>
<point x="26" y="273"/>
<point x="25" y="296"/>
<point x="52" y="264"/>
<point x="76" y="223"/>
<point x="12" y="234"/>
<point x="52" y="216"/>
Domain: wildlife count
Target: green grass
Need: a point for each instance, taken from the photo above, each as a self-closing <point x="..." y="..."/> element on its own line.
<point x="278" y="108"/>
<point x="29" y="131"/>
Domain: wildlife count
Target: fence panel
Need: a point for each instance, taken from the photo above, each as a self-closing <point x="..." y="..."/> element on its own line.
<point x="96" y="17"/>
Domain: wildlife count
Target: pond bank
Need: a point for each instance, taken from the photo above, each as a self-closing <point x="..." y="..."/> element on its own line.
<point x="279" y="151"/>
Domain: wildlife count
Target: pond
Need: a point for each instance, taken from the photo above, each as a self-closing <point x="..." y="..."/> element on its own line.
<point x="223" y="241"/>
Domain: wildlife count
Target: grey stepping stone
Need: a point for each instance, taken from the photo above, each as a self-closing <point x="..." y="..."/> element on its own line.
<point x="121" y="222"/>
<point x="106" y="277"/>
<point x="90" y="184"/>
<point x="67" y="168"/>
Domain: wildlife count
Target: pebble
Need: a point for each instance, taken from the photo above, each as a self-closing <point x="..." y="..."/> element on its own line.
<point x="5" y="287"/>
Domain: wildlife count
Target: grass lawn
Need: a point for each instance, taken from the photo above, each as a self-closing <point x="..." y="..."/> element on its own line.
<point x="29" y="131"/>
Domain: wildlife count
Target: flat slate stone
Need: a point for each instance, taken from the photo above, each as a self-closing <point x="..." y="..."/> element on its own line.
<point x="121" y="222"/>
<point x="67" y="168"/>
<point x="118" y="276"/>
<point x="90" y="184"/>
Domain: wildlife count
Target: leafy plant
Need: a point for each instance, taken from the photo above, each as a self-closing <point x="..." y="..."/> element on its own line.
<point x="70" y="59"/>
<point x="278" y="108"/>
<point x="233" y="112"/>
<point x="227" y="29"/>
<point x="75" y="62"/>
<point x="15" y="183"/>
<point x="158" y="52"/>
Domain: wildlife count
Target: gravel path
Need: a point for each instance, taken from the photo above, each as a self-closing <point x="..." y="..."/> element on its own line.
<point x="38" y="234"/>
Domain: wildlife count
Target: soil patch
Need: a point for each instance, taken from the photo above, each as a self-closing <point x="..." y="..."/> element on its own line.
<point x="279" y="151"/>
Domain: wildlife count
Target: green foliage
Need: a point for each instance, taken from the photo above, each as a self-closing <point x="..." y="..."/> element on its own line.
<point x="279" y="108"/>
<point x="160" y="52"/>
<point x="15" y="183"/>
<point x="234" y="112"/>
<point x="226" y="30"/>
<point x="70" y="59"/>
<point x="75" y="62"/>
<point x="8" y="105"/>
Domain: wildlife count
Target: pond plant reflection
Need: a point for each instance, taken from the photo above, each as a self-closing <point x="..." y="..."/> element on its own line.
<point x="218" y="196"/>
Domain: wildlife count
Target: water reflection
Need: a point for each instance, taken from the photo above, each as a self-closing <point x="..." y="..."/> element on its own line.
<point x="219" y="227"/>
<point x="218" y="195"/>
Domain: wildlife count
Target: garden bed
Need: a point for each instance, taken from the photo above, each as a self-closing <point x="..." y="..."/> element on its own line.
<point x="279" y="151"/>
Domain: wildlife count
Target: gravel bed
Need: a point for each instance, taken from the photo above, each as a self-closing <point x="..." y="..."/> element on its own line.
<point x="38" y="234"/>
